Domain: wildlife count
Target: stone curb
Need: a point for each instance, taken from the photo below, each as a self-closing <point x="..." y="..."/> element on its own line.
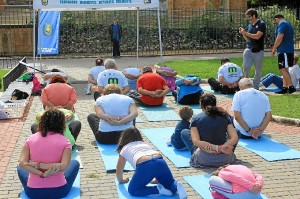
<point x="286" y="120"/>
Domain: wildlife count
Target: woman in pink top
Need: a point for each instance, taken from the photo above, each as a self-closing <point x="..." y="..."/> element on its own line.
<point x="235" y="182"/>
<point x="59" y="94"/>
<point x="45" y="168"/>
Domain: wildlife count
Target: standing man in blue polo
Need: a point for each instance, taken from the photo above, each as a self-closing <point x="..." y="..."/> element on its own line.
<point x="115" y="32"/>
<point x="284" y="44"/>
<point x="254" y="52"/>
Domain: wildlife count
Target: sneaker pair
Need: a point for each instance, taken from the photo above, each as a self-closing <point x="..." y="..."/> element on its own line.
<point x="180" y="190"/>
<point x="285" y="90"/>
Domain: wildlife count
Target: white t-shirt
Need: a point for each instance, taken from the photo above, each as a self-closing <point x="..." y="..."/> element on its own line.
<point x="95" y="71"/>
<point x="135" y="150"/>
<point x="295" y="74"/>
<point x="114" y="105"/>
<point x="230" y="72"/>
<point x="252" y="105"/>
<point x="112" y="76"/>
<point x="55" y="73"/>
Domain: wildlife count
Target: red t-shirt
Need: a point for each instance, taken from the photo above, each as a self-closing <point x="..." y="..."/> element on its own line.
<point x="151" y="82"/>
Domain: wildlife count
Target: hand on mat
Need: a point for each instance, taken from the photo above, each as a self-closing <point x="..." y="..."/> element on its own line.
<point x="226" y="149"/>
<point x="124" y="180"/>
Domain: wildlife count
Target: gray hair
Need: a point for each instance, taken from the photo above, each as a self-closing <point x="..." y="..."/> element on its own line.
<point x="110" y="64"/>
<point x="246" y="82"/>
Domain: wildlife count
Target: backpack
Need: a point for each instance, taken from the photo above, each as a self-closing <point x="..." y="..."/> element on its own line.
<point x="18" y="95"/>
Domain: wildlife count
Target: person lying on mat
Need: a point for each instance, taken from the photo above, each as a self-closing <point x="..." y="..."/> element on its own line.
<point x="229" y="75"/>
<point x="169" y="75"/>
<point x="185" y="113"/>
<point x="294" y="71"/>
<point x="72" y="129"/>
<point x="252" y="111"/>
<point x="58" y="94"/>
<point x="235" y="181"/>
<point x="212" y="138"/>
<point x="188" y="90"/>
<point x="151" y="88"/>
<point x="148" y="164"/>
<point x="114" y="113"/>
<point x="45" y="166"/>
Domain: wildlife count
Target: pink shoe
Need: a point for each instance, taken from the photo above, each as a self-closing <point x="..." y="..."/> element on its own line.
<point x="217" y="195"/>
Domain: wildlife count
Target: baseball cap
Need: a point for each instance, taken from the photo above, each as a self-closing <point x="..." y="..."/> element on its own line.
<point x="147" y="69"/>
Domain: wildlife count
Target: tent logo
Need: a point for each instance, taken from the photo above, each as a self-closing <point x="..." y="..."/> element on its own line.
<point x="44" y="2"/>
<point x="48" y="30"/>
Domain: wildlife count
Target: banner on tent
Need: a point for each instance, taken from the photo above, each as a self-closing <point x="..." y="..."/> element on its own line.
<point x="48" y="41"/>
<point x="93" y="4"/>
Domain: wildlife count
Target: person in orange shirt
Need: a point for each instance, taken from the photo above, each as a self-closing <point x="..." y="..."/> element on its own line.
<point x="151" y="88"/>
<point x="58" y="94"/>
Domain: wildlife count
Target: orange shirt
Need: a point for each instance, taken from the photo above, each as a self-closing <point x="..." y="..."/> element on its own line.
<point x="151" y="82"/>
<point x="59" y="94"/>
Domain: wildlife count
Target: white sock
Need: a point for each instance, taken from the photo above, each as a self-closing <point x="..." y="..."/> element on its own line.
<point x="181" y="191"/>
<point x="163" y="191"/>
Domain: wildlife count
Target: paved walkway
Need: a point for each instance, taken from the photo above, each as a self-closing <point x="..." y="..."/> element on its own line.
<point x="282" y="178"/>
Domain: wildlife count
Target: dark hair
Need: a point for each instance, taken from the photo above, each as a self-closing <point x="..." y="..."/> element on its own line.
<point x="279" y="16"/>
<point x="186" y="113"/>
<point x="209" y="103"/>
<point x="216" y="172"/>
<point x="224" y="60"/>
<point x="57" y="79"/>
<point x="252" y="12"/>
<point x="52" y="121"/>
<point x="131" y="134"/>
<point x="99" y="62"/>
<point x="55" y="70"/>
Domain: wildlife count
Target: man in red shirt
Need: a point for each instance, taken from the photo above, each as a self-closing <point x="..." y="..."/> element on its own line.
<point x="151" y="88"/>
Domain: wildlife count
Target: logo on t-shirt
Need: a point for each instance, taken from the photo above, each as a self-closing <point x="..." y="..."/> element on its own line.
<point x="113" y="81"/>
<point x="232" y="70"/>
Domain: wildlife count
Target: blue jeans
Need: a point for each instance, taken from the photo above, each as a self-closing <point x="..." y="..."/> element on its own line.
<point x="51" y="193"/>
<point x="187" y="140"/>
<point x="271" y="78"/>
<point x="145" y="172"/>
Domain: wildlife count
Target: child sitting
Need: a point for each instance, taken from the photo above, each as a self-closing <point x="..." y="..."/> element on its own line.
<point x="185" y="113"/>
<point x="235" y="181"/>
<point x="148" y="164"/>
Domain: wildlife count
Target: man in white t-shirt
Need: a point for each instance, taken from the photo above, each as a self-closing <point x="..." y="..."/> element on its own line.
<point x="111" y="75"/>
<point x="229" y="75"/>
<point x="252" y="112"/>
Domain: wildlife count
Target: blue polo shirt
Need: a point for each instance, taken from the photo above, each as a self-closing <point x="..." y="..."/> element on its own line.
<point x="287" y="44"/>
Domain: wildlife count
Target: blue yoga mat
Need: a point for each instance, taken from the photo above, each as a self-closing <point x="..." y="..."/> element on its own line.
<point x="273" y="89"/>
<point x="208" y="88"/>
<point x="76" y="156"/>
<point x="123" y="192"/>
<point x="196" y="107"/>
<point x="200" y="184"/>
<point x="110" y="157"/>
<point x="139" y="120"/>
<point x="159" y="137"/>
<point x="269" y="149"/>
<point x="73" y="194"/>
<point x="160" y="113"/>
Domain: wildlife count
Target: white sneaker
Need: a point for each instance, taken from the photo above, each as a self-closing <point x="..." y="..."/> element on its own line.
<point x="163" y="191"/>
<point x="168" y="142"/>
<point x="181" y="191"/>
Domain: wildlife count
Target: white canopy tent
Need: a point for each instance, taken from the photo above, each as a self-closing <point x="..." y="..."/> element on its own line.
<point x="93" y="5"/>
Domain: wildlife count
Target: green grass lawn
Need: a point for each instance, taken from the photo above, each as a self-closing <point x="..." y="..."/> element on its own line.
<point x="209" y="68"/>
<point x="281" y="105"/>
<point x="2" y="74"/>
<point x="285" y="105"/>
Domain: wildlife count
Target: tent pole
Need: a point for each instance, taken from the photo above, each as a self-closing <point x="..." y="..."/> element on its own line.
<point x="34" y="42"/>
<point x="40" y="40"/>
<point x="137" y="34"/>
<point x="159" y="34"/>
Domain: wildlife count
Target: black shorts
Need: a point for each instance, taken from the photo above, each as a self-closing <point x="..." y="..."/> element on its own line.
<point x="285" y="60"/>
